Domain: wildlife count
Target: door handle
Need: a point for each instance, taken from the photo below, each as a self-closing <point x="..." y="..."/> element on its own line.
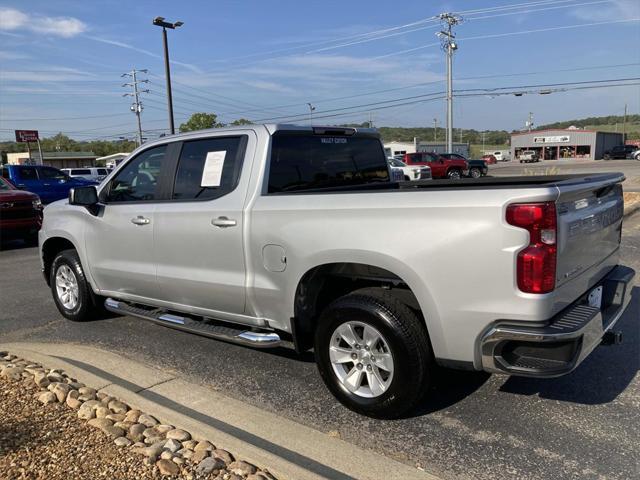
<point x="223" y="222"/>
<point x="140" y="220"/>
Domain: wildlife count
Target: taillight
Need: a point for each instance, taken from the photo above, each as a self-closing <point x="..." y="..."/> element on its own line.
<point x="536" y="264"/>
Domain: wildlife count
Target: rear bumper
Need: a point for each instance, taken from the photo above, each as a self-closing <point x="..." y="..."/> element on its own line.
<point x="561" y="344"/>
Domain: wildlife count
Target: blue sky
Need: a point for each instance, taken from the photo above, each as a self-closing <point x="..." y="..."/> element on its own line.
<point x="61" y="61"/>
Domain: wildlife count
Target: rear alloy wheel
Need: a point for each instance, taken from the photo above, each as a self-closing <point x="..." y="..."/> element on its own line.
<point x="475" y="172"/>
<point x="638" y="156"/>
<point x="454" y="174"/>
<point x="373" y="353"/>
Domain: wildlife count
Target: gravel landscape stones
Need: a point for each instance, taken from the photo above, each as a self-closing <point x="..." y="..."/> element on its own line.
<point x="54" y="427"/>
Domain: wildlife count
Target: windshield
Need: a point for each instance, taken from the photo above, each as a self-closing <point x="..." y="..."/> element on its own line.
<point x="397" y="163"/>
<point x="307" y="161"/>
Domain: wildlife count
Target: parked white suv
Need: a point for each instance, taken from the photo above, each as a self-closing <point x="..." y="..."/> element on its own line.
<point x="96" y="174"/>
<point x="270" y="235"/>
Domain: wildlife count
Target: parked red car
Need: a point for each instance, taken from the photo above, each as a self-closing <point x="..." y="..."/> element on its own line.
<point x="490" y="159"/>
<point x="20" y="213"/>
<point x="440" y="167"/>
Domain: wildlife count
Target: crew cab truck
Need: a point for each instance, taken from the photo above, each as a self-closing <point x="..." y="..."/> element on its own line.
<point x="269" y="235"/>
<point x="49" y="183"/>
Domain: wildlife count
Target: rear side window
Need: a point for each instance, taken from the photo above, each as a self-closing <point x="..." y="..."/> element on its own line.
<point x="81" y="172"/>
<point x="50" y="173"/>
<point x="28" y="174"/>
<point x="102" y="171"/>
<point x="5" y="172"/>
<point x="209" y="168"/>
<point x="304" y="161"/>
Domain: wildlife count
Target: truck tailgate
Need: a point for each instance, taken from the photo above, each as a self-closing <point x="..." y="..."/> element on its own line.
<point x="589" y="223"/>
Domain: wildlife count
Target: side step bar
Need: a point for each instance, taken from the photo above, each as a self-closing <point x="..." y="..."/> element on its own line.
<point x="219" y="332"/>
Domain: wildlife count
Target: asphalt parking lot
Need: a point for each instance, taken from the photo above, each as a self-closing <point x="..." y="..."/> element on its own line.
<point x="631" y="169"/>
<point x="474" y="426"/>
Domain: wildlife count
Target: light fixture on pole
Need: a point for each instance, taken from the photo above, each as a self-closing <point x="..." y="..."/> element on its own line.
<point x="311" y="109"/>
<point x="160" y="22"/>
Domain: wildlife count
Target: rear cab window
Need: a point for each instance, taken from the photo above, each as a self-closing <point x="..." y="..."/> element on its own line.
<point x="302" y="161"/>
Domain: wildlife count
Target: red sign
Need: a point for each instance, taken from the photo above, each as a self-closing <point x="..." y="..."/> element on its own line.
<point x="27" y="136"/>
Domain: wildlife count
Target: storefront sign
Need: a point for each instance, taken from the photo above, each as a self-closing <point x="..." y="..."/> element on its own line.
<point x="554" y="139"/>
<point x="26" y="135"/>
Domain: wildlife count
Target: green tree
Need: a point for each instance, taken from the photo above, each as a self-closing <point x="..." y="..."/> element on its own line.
<point x="241" y="121"/>
<point x="200" y="121"/>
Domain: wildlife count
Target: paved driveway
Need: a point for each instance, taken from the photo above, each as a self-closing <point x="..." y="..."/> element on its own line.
<point x="585" y="425"/>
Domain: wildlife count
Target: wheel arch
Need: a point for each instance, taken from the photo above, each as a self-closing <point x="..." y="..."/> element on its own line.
<point x="323" y="282"/>
<point x="50" y="248"/>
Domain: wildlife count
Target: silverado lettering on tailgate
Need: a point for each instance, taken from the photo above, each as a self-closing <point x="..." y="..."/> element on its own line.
<point x="597" y="221"/>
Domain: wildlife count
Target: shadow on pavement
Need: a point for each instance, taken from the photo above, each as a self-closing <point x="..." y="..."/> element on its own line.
<point x="604" y="375"/>
<point x="15" y="245"/>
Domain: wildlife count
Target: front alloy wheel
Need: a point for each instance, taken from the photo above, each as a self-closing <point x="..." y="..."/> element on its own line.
<point x="67" y="287"/>
<point x="454" y="174"/>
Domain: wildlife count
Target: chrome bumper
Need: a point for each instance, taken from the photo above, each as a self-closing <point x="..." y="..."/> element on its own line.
<point x="560" y="345"/>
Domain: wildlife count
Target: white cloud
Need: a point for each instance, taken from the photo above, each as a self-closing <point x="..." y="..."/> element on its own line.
<point x="269" y="86"/>
<point x="66" y="27"/>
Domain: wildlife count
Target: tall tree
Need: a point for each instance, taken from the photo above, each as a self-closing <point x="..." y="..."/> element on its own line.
<point x="200" y="121"/>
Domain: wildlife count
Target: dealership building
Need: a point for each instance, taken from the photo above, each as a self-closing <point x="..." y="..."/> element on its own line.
<point x="560" y="144"/>
<point x="53" y="159"/>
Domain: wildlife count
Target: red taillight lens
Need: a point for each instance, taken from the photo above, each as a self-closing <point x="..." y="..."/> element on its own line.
<point x="536" y="264"/>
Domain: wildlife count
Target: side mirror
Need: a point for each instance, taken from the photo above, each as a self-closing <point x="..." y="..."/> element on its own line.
<point x="84" y="197"/>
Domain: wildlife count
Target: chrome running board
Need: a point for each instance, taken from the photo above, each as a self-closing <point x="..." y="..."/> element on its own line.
<point x="259" y="339"/>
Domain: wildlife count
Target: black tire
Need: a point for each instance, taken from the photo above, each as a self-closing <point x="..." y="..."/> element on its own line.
<point x="475" y="172"/>
<point x="406" y="178"/>
<point x="87" y="306"/>
<point x="408" y="341"/>
<point x="607" y="157"/>
<point x="454" y="174"/>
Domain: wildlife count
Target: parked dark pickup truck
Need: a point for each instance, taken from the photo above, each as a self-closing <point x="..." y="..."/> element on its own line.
<point x="477" y="168"/>
<point x="20" y="213"/>
<point x="49" y="183"/>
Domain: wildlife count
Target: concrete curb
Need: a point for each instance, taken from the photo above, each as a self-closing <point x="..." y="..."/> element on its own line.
<point x="285" y="448"/>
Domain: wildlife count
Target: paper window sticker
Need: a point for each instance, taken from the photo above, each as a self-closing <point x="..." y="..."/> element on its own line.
<point x="212" y="172"/>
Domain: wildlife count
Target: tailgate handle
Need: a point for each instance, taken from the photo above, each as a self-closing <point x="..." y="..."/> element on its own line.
<point x="601" y="192"/>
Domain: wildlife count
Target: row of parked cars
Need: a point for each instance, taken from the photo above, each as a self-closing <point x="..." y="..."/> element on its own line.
<point x="428" y="165"/>
<point x="25" y="188"/>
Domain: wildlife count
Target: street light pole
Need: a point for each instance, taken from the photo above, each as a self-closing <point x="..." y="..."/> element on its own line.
<point x="311" y="109"/>
<point x="159" y="21"/>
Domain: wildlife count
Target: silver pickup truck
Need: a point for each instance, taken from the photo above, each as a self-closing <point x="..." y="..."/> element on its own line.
<point x="274" y="235"/>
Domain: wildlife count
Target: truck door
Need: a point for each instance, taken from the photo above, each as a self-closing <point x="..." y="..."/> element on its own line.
<point x="120" y="239"/>
<point x="199" y="248"/>
<point x="26" y="178"/>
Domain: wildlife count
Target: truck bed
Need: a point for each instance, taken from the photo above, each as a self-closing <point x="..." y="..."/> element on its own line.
<point x="487" y="182"/>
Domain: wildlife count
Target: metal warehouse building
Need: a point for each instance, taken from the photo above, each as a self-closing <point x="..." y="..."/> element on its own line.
<point x="565" y="143"/>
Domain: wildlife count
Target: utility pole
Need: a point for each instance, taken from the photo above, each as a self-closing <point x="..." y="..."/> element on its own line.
<point x="449" y="46"/>
<point x="624" y="125"/>
<point x="529" y="123"/>
<point x="159" y="21"/>
<point x="435" y="130"/>
<point x="483" y="136"/>
<point x="311" y="109"/>
<point x="460" y="132"/>
<point x="370" y="119"/>
<point x="136" y="106"/>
